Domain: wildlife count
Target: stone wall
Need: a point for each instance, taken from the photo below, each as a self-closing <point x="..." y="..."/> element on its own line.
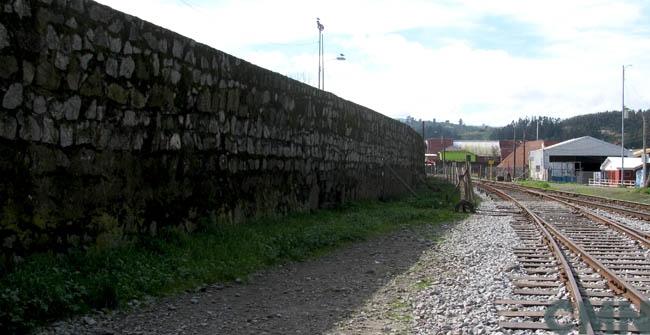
<point x="112" y="125"/>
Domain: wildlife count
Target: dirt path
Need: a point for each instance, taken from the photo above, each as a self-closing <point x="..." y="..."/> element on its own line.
<point x="359" y="288"/>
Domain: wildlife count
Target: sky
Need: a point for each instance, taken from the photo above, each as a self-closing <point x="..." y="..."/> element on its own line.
<point x="485" y="62"/>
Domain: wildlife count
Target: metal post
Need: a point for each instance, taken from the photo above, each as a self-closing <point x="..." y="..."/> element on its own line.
<point x="514" y="152"/>
<point x="320" y="50"/>
<point x="644" y="175"/>
<point x="523" y="164"/>
<point x="322" y="57"/>
<point x="622" y="126"/>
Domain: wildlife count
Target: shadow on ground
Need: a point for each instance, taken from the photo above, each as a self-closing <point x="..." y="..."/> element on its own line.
<point x="308" y="297"/>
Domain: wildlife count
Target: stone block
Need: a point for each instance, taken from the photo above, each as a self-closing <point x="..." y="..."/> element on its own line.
<point x="47" y="76"/>
<point x="22" y="8"/>
<point x="117" y="93"/>
<point x="30" y="129"/>
<point x="39" y="105"/>
<point x="112" y="67"/>
<point x="52" y="40"/>
<point x="129" y="118"/>
<point x="71" y="108"/>
<point x="138" y="100"/>
<point x="8" y="126"/>
<point x="28" y="72"/>
<point x="61" y="61"/>
<point x="4" y="37"/>
<point x="66" y="132"/>
<point x="127" y="67"/>
<point x="8" y="66"/>
<point x="13" y="98"/>
<point x="115" y="44"/>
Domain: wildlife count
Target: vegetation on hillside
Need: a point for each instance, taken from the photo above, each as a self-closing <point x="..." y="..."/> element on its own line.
<point x="605" y="126"/>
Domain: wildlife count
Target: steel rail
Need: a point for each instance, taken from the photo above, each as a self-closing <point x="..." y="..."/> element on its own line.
<point x="567" y="275"/>
<point x="641" y="237"/>
<point x="596" y="201"/>
<point x="615" y="282"/>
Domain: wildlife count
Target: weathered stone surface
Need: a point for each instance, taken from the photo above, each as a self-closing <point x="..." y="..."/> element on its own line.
<point x="174" y="142"/>
<point x="84" y="60"/>
<point x="47" y="76"/>
<point x="140" y="100"/>
<point x="77" y="5"/>
<point x="40" y="105"/>
<point x="52" y="38"/>
<point x="128" y="49"/>
<point x="127" y="67"/>
<point x="28" y="72"/>
<point x="71" y="23"/>
<point x="177" y="49"/>
<point x="66" y="135"/>
<point x="71" y="108"/>
<point x="22" y="8"/>
<point x="204" y="101"/>
<point x="76" y="43"/>
<point x="50" y="132"/>
<point x="92" y="86"/>
<point x="13" y="97"/>
<point x="91" y="112"/>
<point x="61" y="61"/>
<point x="30" y="130"/>
<point x="112" y="67"/>
<point x="129" y="119"/>
<point x="117" y="93"/>
<point x="4" y="37"/>
<point x="8" y="126"/>
<point x="116" y="44"/>
<point x="8" y="66"/>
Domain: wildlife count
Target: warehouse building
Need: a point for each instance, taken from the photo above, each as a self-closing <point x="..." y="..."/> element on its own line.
<point x="576" y="160"/>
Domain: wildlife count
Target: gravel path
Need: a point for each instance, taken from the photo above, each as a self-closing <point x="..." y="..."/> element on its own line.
<point x="426" y="280"/>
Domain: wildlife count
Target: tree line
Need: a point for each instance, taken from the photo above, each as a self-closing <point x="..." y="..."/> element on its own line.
<point x="604" y="125"/>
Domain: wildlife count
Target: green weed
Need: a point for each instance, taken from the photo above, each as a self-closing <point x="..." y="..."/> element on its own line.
<point x="49" y="286"/>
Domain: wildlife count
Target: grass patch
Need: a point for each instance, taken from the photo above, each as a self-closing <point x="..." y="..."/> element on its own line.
<point x="422" y="284"/>
<point x="49" y="286"/>
<point x="621" y="193"/>
<point x="535" y="183"/>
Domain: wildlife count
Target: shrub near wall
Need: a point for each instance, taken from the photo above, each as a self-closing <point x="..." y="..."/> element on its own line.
<point x="112" y="125"/>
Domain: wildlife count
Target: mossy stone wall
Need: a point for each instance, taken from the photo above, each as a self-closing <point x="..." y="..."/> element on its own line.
<point x="110" y="125"/>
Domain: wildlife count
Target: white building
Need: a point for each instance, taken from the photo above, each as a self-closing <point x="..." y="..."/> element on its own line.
<point x="574" y="160"/>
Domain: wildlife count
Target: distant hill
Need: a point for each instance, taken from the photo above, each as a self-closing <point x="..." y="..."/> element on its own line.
<point x="458" y="131"/>
<point x="605" y="126"/>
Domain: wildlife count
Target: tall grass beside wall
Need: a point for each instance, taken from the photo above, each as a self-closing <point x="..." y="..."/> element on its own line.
<point x="49" y="286"/>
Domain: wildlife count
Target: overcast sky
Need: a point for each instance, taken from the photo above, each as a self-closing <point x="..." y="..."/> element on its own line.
<point x="487" y="62"/>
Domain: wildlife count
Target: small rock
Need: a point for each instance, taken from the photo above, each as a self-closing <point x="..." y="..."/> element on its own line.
<point x="194" y="301"/>
<point x="89" y="321"/>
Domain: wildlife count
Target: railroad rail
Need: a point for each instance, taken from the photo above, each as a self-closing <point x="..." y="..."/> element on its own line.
<point x="604" y="270"/>
<point x="630" y="208"/>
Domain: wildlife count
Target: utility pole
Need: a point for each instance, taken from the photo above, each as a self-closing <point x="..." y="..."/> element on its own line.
<point x="523" y="173"/>
<point x="622" y="124"/>
<point x="644" y="179"/>
<point x="514" y="151"/>
<point x="320" y="53"/>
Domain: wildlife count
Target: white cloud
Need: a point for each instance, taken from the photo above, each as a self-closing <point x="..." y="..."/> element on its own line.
<point x="572" y="67"/>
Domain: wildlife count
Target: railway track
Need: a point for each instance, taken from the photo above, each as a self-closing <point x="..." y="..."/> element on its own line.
<point x="630" y="208"/>
<point x="577" y="272"/>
